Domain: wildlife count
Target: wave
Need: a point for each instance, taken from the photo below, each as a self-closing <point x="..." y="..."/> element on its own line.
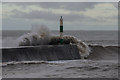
<point x="41" y="35"/>
<point x="99" y="52"/>
<point x="43" y="52"/>
<point x="41" y="44"/>
<point x="35" y="62"/>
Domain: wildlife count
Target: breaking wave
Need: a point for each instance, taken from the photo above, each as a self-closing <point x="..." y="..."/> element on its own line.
<point x="98" y="52"/>
<point x="41" y="35"/>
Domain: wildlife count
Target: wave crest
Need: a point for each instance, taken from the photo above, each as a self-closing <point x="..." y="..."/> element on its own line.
<point x="41" y="35"/>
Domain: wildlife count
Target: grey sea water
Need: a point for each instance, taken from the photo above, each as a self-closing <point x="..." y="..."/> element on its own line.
<point x="89" y="37"/>
<point x="101" y="63"/>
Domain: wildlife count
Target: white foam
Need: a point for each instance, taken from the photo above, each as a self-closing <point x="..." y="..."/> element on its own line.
<point x="40" y="35"/>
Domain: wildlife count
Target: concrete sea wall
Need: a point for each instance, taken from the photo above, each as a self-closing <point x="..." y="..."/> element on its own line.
<point x="43" y="52"/>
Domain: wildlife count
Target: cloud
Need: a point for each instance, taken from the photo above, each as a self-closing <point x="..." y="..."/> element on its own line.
<point x="75" y="6"/>
<point x="101" y="10"/>
<point x="48" y="16"/>
<point x="81" y="13"/>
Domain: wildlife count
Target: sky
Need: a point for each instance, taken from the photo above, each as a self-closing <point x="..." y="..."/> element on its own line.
<point x="76" y="15"/>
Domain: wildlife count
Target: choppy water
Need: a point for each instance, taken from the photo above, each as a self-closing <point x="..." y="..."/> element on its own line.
<point x="101" y="63"/>
<point x="97" y="38"/>
<point x="89" y="37"/>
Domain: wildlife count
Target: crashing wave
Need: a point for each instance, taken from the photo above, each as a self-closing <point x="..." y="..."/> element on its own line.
<point x="82" y="47"/>
<point x="40" y="35"/>
<point x="43" y="36"/>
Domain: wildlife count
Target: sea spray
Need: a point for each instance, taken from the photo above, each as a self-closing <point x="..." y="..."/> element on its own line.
<point x="83" y="48"/>
<point x="41" y="35"/>
<point x="41" y="30"/>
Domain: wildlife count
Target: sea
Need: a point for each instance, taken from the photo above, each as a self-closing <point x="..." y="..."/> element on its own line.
<point x="89" y="37"/>
<point x="101" y="63"/>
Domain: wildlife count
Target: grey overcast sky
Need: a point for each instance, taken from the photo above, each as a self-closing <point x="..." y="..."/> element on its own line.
<point x="76" y="15"/>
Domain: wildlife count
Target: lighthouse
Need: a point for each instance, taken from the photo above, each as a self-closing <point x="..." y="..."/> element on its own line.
<point x="61" y="30"/>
